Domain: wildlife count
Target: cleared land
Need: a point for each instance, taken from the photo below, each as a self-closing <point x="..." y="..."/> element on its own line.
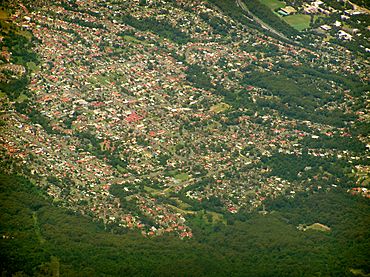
<point x="298" y="21"/>
<point x="182" y="176"/>
<point x="3" y="15"/>
<point x="318" y="227"/>
<point x="181" y="205"/>
<point x="221" y="107"/>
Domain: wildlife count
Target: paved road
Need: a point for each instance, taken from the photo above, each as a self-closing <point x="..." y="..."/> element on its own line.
<point x="244" y="7"/>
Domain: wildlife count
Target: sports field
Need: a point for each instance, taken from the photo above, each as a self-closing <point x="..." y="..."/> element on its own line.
<point x="273" y="4"/>
<point x="298" y="21"/>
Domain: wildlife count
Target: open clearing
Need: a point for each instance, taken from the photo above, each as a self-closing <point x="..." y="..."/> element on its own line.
<point x="180" y="204"/>
<point x="216" y="217"/>
<point x="152" y="191"/>
<point x="181" y="210"/>
<point x="3" y="15"/>
<point x="298" y="21"/>
<point x="318" y="227"/>
<point x="37" y="228"/>
<point x="182" y="176"/>
<point x="221" y="107"/>
<point x="273" y="4"/>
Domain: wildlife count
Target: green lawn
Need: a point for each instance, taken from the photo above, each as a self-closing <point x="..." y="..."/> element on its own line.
<point x="132" y="39"/>
<point x="180" y="204"/>
<point x="221" y="107"/>
<point x="24" y="33"/>
<point x="37" y="228"/>
<point x="32" y="66"/>
<point x="182" y="176"/>
<point x="216" y="217"/>
<point x="22" y="98"/>
<point x="151" y="190"/>
<point x="298" y="21"/>
<point x="181" y="210"/>
<point x="2" y="94"/>
<point x="273" y="4"/>
<point x="3" y="15"/>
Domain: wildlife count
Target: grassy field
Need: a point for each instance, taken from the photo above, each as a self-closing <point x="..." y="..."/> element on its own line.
<point x="181" y="176"/>
<point x="32" y="67"/>
<point x="181" y="210"/>
<point x="6" y="26"/>
<point x="221" y="107"/>
<point x="26" y="34"/>
<point x="215" y="217"/>
<point x="152" y="190"/>
<point x="131" y="39"/>
<point x="273" y="4"/>
<point x="318" y="227"/>
<point x="37" y="228"/>
<point x="180" y="204"/>
<point x="21" y="98"/>
<point x="298" y="21"/>
<point x="3" y="15"/>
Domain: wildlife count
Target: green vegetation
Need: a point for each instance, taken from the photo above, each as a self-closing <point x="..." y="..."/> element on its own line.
<point x="15" y="88"/>
<point x="335" y="142"/>
<point x="39" y="238"/>
<point x="218" y="24"/>
<point x="19" y="46"/>
<point x="198" y="76"/>
<point x="292" y="167"/>
<point x="84" y="23"/>
<point x="37" y="228"/>
<point x="230" y="8"/>
<point x="273" y="4"/>
<point x="318" y="227"/>
<point x="180" y="204"/>
<point x="3" y="15"/>
<point x="132" y="39"/>
<point x="265" y="14"/>
<point x="294" y="92"/>
<point x="298" y="21"/>
<point x="258" y="245"/>
<point x="163" y="29"/>
<point x="181" y="176"/>
<point x="219" y="108"/>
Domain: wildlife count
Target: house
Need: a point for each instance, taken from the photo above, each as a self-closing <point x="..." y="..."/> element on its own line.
<point x="337" y="23"/>
<point x="344" y="35"/>
<point x="325" y="27"/>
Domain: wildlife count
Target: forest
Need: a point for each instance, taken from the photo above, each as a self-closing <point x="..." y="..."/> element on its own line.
<point x="19" y="46"/>
<point x="295" y="91"/>
<point x="41" y="239"/>
<point x="163" y="29"/>
<point x="291" y="167"/>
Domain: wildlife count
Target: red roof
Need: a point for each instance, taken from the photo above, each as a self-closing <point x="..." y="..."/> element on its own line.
<point x="133" y="117"/>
